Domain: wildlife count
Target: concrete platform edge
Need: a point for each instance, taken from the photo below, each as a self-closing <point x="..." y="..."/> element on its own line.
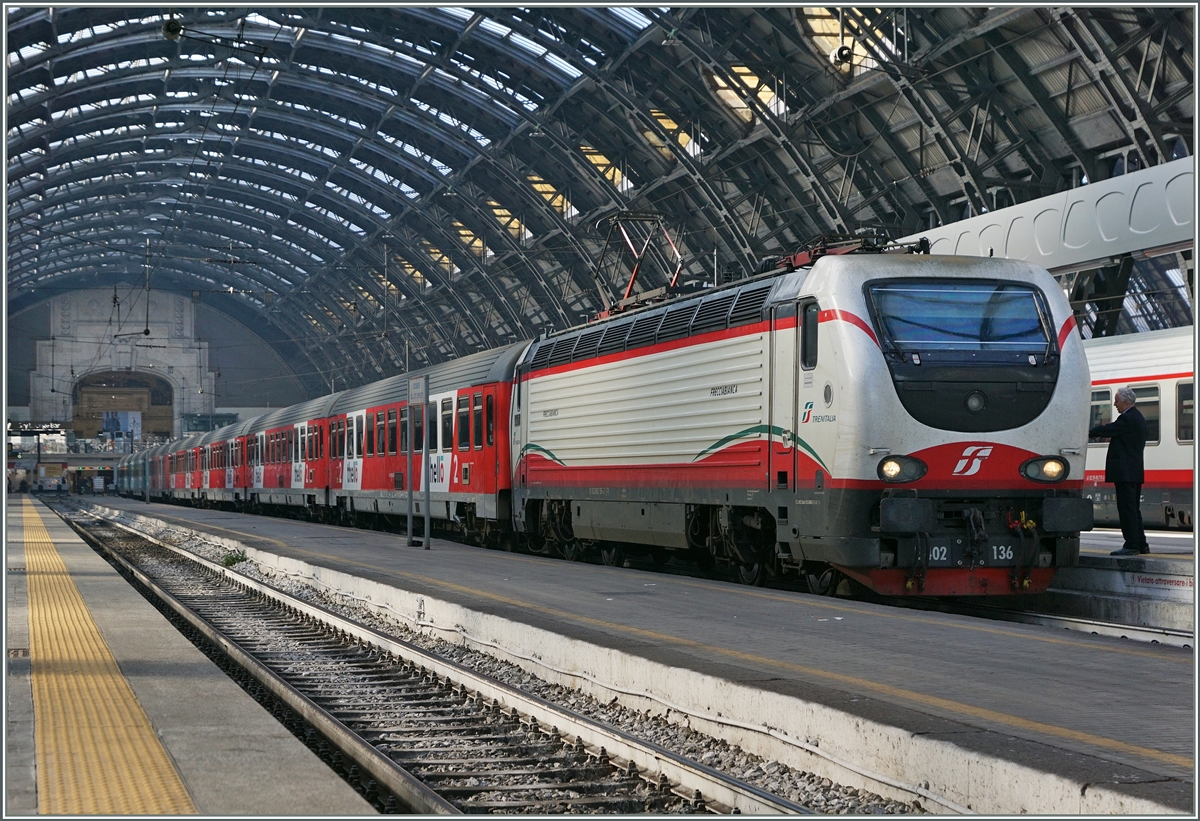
<point x="854" y="751"/>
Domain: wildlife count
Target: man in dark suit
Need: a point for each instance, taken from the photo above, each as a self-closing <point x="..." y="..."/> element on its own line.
<point x="1124" y="467"/>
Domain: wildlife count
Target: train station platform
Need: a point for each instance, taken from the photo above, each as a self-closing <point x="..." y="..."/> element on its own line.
<point x="111" y="711"/>
<point x="1155" y="590"/>
<point x="971" y="715"/>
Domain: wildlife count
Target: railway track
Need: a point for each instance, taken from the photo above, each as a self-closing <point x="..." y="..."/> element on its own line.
<point x="430" y="735"/>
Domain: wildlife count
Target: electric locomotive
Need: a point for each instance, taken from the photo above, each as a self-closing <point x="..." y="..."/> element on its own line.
<point x="915" y="423"/>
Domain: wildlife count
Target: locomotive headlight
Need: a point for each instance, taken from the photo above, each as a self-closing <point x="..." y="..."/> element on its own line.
<point x="896" y="469"/>
<point x="976" y="401"/>
<point x="1045" y="469"/>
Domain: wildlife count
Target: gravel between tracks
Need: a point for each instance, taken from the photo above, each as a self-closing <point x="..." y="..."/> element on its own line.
<point x="802" y="787"/>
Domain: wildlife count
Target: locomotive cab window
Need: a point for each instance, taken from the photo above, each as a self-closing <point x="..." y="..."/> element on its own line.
<point x="1101" y="411"/>
<point x="1185" y="412"/>
<point x="810" y="318"/>
<point x="950" y="318"/>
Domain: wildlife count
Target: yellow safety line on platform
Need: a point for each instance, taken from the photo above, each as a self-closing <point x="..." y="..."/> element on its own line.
<point x="96" y="750"/>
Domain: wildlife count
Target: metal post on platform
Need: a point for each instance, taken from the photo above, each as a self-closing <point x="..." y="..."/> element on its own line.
<point x="416" y="394"/>
<point x="428" y="477"/>
<point x="146" y="476"/>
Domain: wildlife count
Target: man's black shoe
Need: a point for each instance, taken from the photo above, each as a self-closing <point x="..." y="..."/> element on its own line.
<point x="1126" y="551"/>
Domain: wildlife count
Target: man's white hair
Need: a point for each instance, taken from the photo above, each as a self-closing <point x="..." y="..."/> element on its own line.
<point x="1127" y="395"/>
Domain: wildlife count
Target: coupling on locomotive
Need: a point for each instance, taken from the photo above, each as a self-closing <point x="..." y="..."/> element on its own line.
<point x="915" y="423"/>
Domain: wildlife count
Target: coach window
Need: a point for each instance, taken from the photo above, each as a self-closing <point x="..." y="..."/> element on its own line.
<point x="808" y="336"/>
<point x="1147" y="403"/>
<point x="447" y="424"/>
<point x="418" y="413"/>
<point x="432" y="427"/>
<point x="358" y="437"/>
<point x="304" y="454"/>
<point x="404" y="430"/>
<point x="380" y="433"/>
<point x="1185" y="411"/>
<point x="370" y="434"/>
<point x="491" y="421"/>
<point x="464" y="423"/>
<point x="1101" y="411"/>
<point x="340" y="441"/>
<point x="391" y="432"/>
<point x="477" y="420"/>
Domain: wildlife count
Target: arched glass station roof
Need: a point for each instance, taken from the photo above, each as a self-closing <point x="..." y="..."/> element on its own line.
<point x="369" y="186"/>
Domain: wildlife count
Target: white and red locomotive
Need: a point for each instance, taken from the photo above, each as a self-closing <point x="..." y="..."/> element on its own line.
<point x="916" y="423"/>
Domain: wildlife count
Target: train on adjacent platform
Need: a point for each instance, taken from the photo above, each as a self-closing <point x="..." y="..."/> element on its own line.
<point x="1159" y="367"/>
<point x="915" y="423"/>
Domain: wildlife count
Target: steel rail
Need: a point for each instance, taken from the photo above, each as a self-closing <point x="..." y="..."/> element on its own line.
<point x="408" y="789"/>
<point x="705" y="788"/>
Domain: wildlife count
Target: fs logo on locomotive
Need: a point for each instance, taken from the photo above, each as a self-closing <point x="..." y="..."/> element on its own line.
<point x="808" y="407"/>
<point x="973" y="456"/>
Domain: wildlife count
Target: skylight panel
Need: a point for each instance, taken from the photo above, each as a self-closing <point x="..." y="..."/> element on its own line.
<point x="526" y="44"/>
<point x="562" y="65"/>
<point x="27" y="53"/>
<point x="631" y="16"/>
<point x="456" y="12"/>
<point x="492" y="27"/>
<point x="258" y="20"/>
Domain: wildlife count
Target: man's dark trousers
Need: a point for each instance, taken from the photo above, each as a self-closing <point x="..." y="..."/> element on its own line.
<point x="1129" y="509"/>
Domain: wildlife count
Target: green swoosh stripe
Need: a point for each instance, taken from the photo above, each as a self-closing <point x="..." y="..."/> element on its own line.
<point x="532" y="448"/>
<point x="784" y="436"/>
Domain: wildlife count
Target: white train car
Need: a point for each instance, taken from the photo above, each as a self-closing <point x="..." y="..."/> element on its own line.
<point x="1159" y="366"/>
<point x="917" y="423"/>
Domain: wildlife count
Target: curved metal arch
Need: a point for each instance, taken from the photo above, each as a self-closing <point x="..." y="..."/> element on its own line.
<point x="245" y="200"/>
<point x="632" y="112"/>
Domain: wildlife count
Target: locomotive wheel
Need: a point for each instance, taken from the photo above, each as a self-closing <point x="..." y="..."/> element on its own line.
<point x="825" y="582"/>
<point x="612" y="555"/>
<point x="754" y="575"/>
<point x="573" y="551"/>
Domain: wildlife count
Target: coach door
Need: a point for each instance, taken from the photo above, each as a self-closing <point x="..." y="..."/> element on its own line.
<point x="781" y="467"/>
<point x="816" y="399"/>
